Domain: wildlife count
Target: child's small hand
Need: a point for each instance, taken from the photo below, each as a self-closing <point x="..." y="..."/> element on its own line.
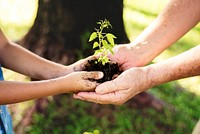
<point x="80" y="65"/>
<point x="81" y="81"/>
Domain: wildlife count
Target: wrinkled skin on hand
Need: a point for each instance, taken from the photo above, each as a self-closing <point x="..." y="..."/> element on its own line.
<point x="128" y="56"/>
<point x="119" y="90"/>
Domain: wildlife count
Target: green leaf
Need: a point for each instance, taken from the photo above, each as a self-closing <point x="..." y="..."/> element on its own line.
<point x="97" y="52"/>
<point x="100" y="59"/>
<point x="104" y="42"/>
<point x="106" y="46"/>
<point x="110" y="38"/>
<point x="111" y="35"/>
<point x="93" y="36"/>
<point x="104" y="60"/>
<point x="96" y="44"/>
<point x="112" y="52"/>
<point x="99" y="23"/>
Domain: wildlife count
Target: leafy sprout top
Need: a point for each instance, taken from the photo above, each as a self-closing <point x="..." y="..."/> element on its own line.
<point x="105" y="42"/>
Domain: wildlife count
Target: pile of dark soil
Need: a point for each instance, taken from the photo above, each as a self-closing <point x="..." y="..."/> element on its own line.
<point x="109" y="69"/>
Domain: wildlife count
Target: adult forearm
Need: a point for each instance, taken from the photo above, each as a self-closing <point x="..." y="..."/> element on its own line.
<point x="178" y="17"/>
<point x="182" y="66"/>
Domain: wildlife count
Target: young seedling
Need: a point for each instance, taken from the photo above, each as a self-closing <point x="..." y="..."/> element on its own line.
<point x="105" y="41"/>
<point x="103" y="44"/>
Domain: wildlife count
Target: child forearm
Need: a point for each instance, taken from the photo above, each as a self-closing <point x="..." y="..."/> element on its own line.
<point x="23" y="61"/>
<point x="13" y="92"/>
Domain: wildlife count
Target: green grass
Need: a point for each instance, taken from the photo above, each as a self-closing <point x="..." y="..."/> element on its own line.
<point x="181" y="97"/>
<point x="77" y="117"/>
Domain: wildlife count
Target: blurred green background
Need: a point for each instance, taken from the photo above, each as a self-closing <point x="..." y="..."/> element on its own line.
<point x="17" y="16"/>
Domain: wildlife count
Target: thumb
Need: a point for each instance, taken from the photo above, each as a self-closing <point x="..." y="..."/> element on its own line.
<point x="93" y="75"/>
<point x="107" y="87"/>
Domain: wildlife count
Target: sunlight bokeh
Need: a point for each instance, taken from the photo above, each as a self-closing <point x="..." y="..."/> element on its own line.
<point x="137" y="18"/>
<point x="17" y="16"/>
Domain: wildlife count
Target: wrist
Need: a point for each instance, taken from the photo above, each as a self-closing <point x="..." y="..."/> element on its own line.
<point x="59" y="72"/>
<point x="59" y="85"/>
<point x="145" y="54"/>
<point x="158" y="73"/>
<point x="142" y="77"/>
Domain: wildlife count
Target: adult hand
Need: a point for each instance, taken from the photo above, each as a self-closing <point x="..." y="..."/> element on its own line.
<point x="119" y="90"/>
<point x="130" y="55"/>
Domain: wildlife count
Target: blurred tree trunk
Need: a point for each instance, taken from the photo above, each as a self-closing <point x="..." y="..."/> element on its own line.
<point x="62" y="27"/>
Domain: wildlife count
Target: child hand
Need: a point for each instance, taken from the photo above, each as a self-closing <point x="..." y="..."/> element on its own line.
<point x="80" y="81"/>
<point x="80" y="65"/>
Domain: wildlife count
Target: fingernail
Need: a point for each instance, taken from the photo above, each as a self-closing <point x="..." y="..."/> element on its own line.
<point x="78" y="97"/>
<point x="100" y="74"/>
